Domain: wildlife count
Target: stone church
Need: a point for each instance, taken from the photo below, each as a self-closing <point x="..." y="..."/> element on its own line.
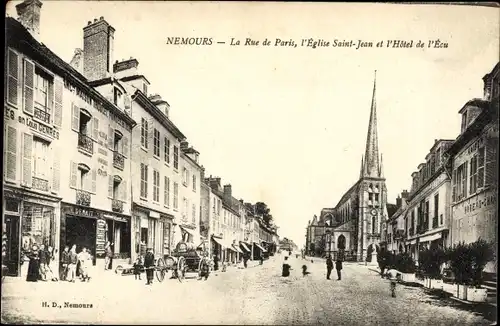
<point x="352" y="228"/>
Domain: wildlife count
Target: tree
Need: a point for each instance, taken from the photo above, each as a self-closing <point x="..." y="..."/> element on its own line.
<point x="262" y="210"/>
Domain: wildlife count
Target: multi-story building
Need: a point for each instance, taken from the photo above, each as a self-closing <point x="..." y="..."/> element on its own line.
<point x="190" y="194"/>
<point x="474" y="156"/>
<point x="394" y="229"/>
<point x="428" y="212"/>
<point x="34" y="101"/>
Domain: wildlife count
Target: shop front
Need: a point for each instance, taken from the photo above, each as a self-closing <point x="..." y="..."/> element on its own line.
<point x="28" y="219"/>
<point x="91" y="228"/>
<point x="151" y="229"/>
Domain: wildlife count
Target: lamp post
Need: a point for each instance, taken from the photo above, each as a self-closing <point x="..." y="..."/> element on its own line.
<point x="329" y="241"/>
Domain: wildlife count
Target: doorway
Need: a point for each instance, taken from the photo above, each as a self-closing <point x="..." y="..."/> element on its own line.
<point x="11" y="237"/>
<point x="82" y="232"/>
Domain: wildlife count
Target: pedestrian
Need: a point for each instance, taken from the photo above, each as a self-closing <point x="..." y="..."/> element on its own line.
<point x="33" y="265"/>
<point x="329" y="266"/>
<point x="261" y="259"/>
<point x="338" y="267"/>
<point x="42" y="254"/>
<point x="109" y="256"/>
<point x="50" y="275"/>
<point x="393" y="275"/>
<point x="73" y="261"/>
<point x="216" y="262"/>
<point x="65" y="261"/>
<point x="285" y="272"/>
<point x="84" y="259"/>
<point x="304" y="270"/>
<point x="204" y="268"/>
<point x="137" y="268"/>
<point x="245" y="260"/>
<point x="149" y="262"/>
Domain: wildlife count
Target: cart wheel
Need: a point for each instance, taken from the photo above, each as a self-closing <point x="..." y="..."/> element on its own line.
<point x="160" y="275"/>
<point x="181" y="269"/>
<point x="119" y="269"/>
<point x="160" y="263"/>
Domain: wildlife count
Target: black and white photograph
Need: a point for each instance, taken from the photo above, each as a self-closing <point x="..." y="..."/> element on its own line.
<point x="250" y="163"/>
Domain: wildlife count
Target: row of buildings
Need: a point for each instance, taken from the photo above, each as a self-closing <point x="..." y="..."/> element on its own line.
<point x="90" y="156"/>
<point x="452" y="198"/>
<point x="454" y="191"/>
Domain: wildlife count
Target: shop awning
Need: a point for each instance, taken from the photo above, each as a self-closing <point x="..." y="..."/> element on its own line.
<point x="219" y="241"/>
<point x="237" y="249"/>
<point x="260" y="247"/>
<point x="431" y="237"/>
<point x="191" y="232"/>
<point x="244" y="246"/>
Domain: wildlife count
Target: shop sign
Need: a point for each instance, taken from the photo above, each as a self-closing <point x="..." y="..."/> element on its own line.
<point x="28" y="121"/>
<point x="479" y="203"/>
<point x="80" y="211"/>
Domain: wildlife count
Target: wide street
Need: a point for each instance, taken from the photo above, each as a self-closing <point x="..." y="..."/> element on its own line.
<point x="256" y="295"/>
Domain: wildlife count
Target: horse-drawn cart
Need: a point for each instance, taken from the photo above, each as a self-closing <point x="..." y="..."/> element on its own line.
<point x="188" y="258"/>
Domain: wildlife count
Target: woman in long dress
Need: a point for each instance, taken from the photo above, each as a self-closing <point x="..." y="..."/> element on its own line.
<point x="33" y="265"/>
<point x="49" y="273"/>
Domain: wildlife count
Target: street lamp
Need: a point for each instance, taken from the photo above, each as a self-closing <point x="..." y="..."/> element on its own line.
<point x="329" y="241"/>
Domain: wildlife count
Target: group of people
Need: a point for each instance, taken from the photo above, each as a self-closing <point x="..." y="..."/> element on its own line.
<point x="39" y="265"/>
<point x="329" y="267"/>
<point x="75" y="265"/>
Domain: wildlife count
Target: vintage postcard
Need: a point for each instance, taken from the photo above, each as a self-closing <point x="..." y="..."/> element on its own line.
<point x="250" y="163"/>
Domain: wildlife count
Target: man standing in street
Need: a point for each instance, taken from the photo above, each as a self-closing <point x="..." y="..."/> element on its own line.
<point x="329" y="267"/>
<point x="149" y="262"/>
<point x="338" y="267"/>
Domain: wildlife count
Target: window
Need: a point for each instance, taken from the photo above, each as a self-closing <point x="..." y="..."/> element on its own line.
<point x="374" y="223"/>
<point x="144" y="180"/>
<point x="473" y="175"/>
<point x="176" y="157"/>
<point x="43" y="87"/>
<point x="116" y="188"/>
<point x="117" y="97"/>
<point x="117" y="142"/>
<point x="426" y="216"/>
<point x="166" y="150"/>
<point x="166" y="194"/>
<point x="461" y="182"/>
<point x="156" y="186"/>
<point x="144" y="133"/>
<point x="480" y="167"/>
<point x="40" y="155"/>
<point x="176" y="195"/>
<point x="370" y="196"/>
<point x="194" y="182"/>
<point x="156" y="143"/>
<point x="412" y="222"/>
<point x="436" y="211"/>
<point x="185" y="176"/>
<point x="376" y="197"/>
<point x="194" y="213"/>
<point x="83" y="181"/>
<point x="145" y="89"/>
<point x="185" y="206"/>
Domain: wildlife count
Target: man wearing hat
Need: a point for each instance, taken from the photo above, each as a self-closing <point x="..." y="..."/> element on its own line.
<point x="149" y="263"/>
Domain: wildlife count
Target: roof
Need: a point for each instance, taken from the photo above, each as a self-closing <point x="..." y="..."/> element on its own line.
<point x="18" y="37"/>
<point x="391" y="209"/>
<point x="133" y="77"/>
<point x="146" y="103"/>
<point x="483" y="104"/>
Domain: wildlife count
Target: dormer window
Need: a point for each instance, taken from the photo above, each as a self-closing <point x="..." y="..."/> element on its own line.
<point x="117" y="97"/>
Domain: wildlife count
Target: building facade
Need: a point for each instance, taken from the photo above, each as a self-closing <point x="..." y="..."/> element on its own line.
<point x="474" y="157"/>
<point x="428" y="204"/>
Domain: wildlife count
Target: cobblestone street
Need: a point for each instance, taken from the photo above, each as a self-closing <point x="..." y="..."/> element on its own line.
<point x="257" y="295"/>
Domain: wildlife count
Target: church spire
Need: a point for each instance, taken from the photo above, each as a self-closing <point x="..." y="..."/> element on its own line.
<point x="372" y="166"/>
<point x="361" y="172"/>
<point x="381" y="167"/>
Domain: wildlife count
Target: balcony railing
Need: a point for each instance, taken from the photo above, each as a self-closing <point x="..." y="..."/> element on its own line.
<point x="82" y="197"/>
<point x="118" y="160"/>
<point x="117" y="206"/>
<point x="40" y="184"/>
<point x="86" y="143"/>
<point x="41" y="115"/>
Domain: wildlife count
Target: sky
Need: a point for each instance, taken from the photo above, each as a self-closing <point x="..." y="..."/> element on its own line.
<point x="287" y="125"/>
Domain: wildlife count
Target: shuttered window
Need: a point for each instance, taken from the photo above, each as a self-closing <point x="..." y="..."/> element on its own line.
<point x="176" y="157"/>
<point x="58" y="102"/>
<point x="480" y="167"/>
<point x="156" y="186"/>
<point x="40" y="159"/>
<point x="56" y="169"/>
<point x="144" y="133"/>
<point x="473" y="175"/>
<point x="29" y="83"/>
<point x="166" y="150"/>
<point x="144" y="180"/>
<point x="491" y="164"/>
<point x="166" y="194"/>
<point x="13" y="78"/>
<point x="11" y="154"/>
<point x="27" y="159"/>
<point x="156" y="143"/>
<point x="176" y="195"/>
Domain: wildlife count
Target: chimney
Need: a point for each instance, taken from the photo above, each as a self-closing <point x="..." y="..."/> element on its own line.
<point x="125" y="68"/>
<point x="228" y="193"/>
<point x="184" y="145"/>
<point x="202" y="174"/>
<point x="29" y="15"/>
<point x="404" y="194"/>
<point x="160" y="103"/>
<point x="399" y="201"/>
<point x="98" y="39"/>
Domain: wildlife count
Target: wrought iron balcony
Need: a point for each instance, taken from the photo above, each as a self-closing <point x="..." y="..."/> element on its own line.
<point x="86" y="143"/>
<point x="117" y="206"/>
<point x="40" y="184"/>
<point x="118" y="160"/>
<point x="83" y="197"/>
<point x="41" y="115"/>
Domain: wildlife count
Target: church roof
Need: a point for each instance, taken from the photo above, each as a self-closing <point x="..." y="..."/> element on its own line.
<point x="391" y="209"/>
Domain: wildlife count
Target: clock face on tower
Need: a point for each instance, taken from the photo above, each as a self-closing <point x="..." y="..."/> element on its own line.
<point x="374" y="212"/>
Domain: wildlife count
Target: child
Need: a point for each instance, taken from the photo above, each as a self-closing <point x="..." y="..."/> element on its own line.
<point x="393" y="275"/>
<point x="137" y="268"/>
<point x="285" y="272"/>
<point x="304" y="270"/>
